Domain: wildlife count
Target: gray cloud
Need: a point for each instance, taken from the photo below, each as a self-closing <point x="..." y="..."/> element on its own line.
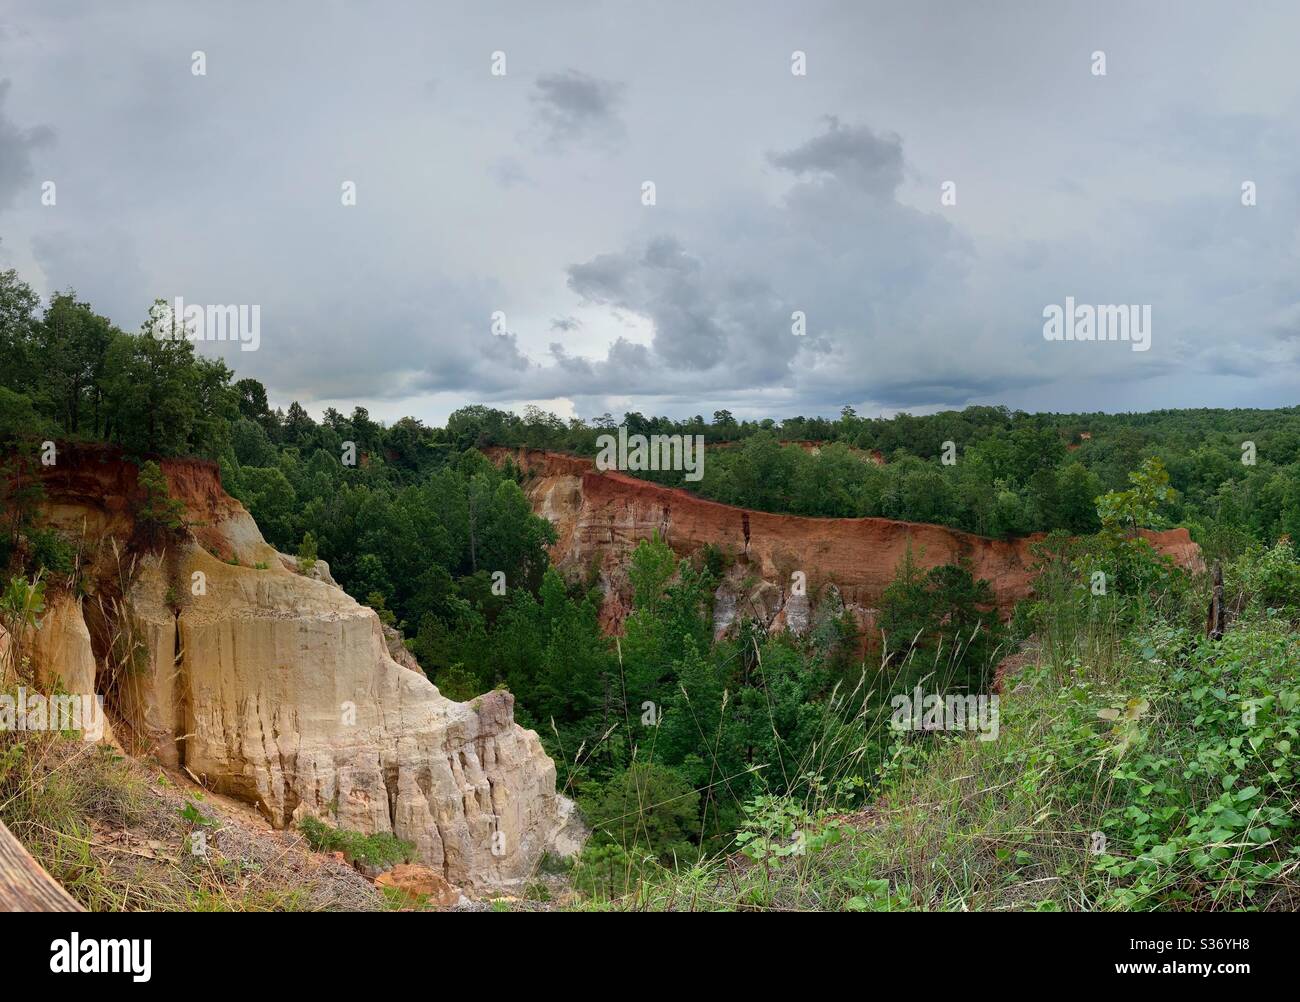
<point x="853" y="154"/>
<point x="862" y="268"/>
<point x="573" y="107"/>
<point x="663" y="282"/>
<point x="16" y="147"/>
<point x="74" y="260"/>
<point x="1123" y="189"/>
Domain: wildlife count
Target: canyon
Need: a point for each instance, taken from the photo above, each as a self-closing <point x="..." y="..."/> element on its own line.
<point x="780" y="569"/>
<point x="219" y="657"/>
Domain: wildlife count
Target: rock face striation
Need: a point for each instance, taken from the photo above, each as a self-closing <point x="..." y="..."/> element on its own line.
<point x="277" y="688"/>
<point x="846" y="563"/>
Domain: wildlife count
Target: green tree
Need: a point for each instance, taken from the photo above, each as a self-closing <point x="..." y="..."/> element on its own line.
<point x="1077" y="500"/>
<point x="1122" y="513"/>
<point x="72" y="342"/>
<point x="158" y="515"/>
<point x="646" y="809"/>
<point x="307" y="553"/>
<point x="18" y="305"/>
<point x="272" y="502"/>
<point x="159" y="398"/>
<point x="946" y="614"/>
<point x="1134" y="565"/>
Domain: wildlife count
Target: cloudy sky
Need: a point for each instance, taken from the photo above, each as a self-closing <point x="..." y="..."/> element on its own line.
<point x="774" y="192"/>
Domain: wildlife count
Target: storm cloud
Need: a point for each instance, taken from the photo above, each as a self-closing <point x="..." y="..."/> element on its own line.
<point x="17" y="145"/>
<point x="885" y="231"/>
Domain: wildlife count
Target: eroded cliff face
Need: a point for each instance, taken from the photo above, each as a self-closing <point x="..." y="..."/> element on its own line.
<point x="845" y="562"/>
<point x="278" y="688"/>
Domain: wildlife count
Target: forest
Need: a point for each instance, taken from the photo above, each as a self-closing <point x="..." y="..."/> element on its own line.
<point x="1236" y="472"/>
<point x="678" y="747"/>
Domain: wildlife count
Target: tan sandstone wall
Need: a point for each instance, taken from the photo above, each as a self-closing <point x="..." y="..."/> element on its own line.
<point x="278" y="688"/>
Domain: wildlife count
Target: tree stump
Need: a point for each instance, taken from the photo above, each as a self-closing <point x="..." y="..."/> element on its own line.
<point x="1215" y="622"/>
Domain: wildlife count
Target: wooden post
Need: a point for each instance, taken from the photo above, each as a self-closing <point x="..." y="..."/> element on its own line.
<point x="24" y="884"/>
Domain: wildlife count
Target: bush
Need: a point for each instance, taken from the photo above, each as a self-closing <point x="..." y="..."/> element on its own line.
<point x="50" y="552"/>
<point x="158" y="515"/>
<point x="19" y="419"/>
<point x="1219" y="827"/>
<point x="605" y="871"/>
<point x="1268" y="578"/>
<point x="943" y="609"/>
<point x="645" y="810"/>
<point x="382" y="849"/>
<point x="458" y="684"/>
<point x="307" y="553"/>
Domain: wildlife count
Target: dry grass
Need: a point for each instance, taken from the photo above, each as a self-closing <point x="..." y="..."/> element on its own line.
<point x="121" y="835"/>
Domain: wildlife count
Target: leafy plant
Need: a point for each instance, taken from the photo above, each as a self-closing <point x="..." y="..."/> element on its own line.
<point x="775" y="828"/>
<point x="159" y="515"/>
<point x="307" y="555"/>
<point x="382" y="849"/>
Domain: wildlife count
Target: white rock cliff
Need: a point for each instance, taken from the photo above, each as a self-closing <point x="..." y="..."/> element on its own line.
<point x="278" y="688"/>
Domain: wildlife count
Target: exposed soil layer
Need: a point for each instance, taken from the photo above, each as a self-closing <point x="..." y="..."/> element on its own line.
<point x="601" y="516"/>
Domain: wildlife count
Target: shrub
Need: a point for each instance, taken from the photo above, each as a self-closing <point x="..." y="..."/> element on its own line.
<point x="458" y="684"/>
<point x="646" y="810"/>
<point x="382" y="849"/>
<point x="50" y="552"/>
<point x="1268" y="578"/>
<point x="946" y="610"/>
<point x="307" y="555"/>
<point x="159" y="515"/>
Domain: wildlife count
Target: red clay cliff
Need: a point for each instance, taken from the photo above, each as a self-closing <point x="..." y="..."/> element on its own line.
<point x="601" y="516"/>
